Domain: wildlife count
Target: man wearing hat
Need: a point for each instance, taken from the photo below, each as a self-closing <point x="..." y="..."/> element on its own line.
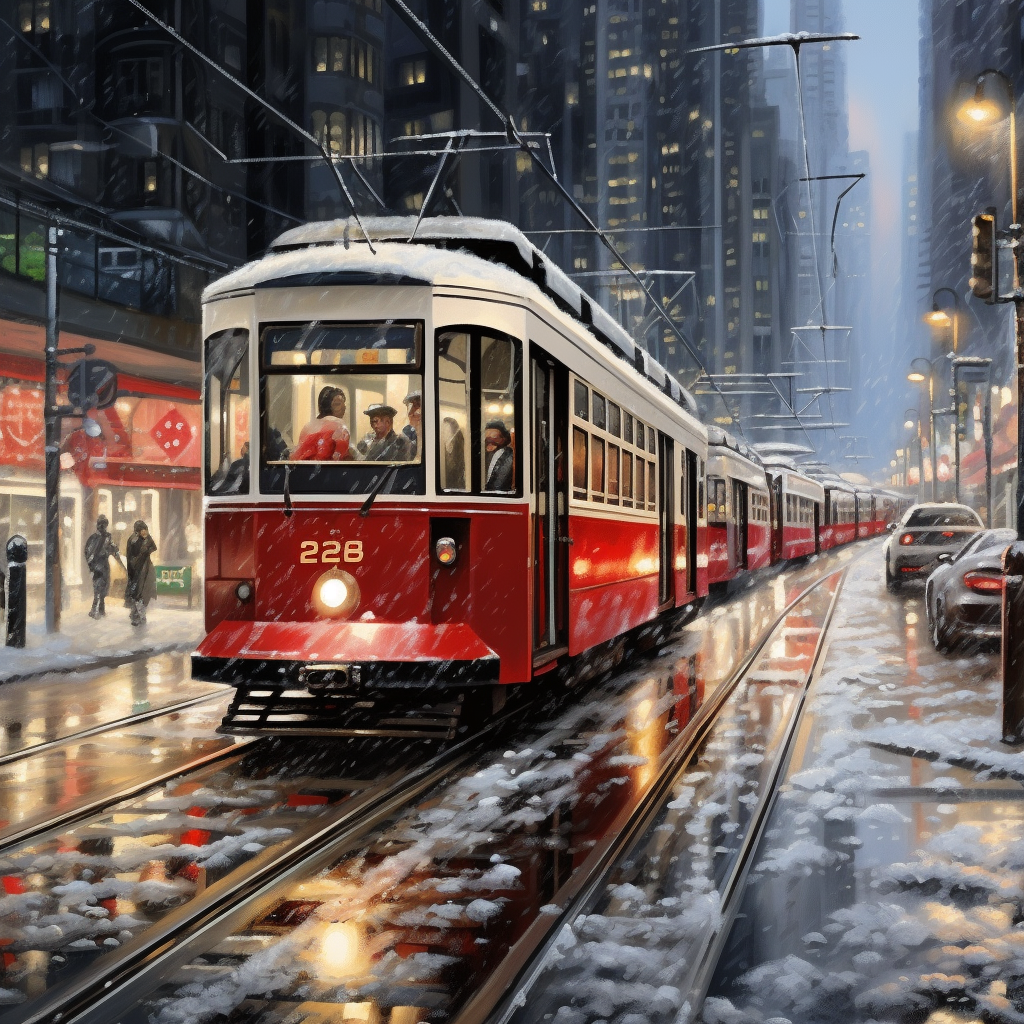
<point x="99" y="549"/>
<point x="413" y="429"/>
<point x="382" y="444"/>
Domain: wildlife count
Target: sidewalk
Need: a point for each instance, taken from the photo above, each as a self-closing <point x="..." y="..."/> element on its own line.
<point x="85" y="643"/>
<point x="888" y="883"/>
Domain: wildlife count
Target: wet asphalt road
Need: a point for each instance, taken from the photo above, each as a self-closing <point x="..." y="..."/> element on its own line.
<point x="887" y="886"/>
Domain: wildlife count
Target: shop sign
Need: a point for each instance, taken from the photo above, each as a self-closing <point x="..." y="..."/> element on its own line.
<point x="21" y="426"/>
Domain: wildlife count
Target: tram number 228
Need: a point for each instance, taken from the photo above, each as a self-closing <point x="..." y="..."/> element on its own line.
<point x="330" y="552"/>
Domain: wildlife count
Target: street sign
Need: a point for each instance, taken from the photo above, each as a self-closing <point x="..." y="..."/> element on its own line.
<point x="92" y="384"/>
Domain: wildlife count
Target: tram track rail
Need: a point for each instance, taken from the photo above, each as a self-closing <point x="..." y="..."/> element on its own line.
<point x="110" y="800"/>
<point x="32" y="750"/>
<point x="508" y="986"/>
<point x="110" y="989"/>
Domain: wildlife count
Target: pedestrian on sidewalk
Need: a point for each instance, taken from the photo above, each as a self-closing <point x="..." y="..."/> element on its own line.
<point x="99" y="549"/>
<point x="141" y="587"/>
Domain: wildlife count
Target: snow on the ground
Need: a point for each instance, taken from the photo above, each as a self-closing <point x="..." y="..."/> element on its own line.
<point x="868" y="903"/>
<point x="84" y="642"/>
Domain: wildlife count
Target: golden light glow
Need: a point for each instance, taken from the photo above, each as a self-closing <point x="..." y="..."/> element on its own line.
<point x="336" y="594"/>
<point x="915" y="376"/>
<point x="938" y="318"/>
<point x="979" y="111"/>
<point x="341" y="950"/>
<point x="909" y="425"/>
<point x="333" y="592"/>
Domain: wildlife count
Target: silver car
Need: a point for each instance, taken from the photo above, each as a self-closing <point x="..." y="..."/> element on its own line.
<point x="925" y="532"/>
<point x="964" y="596"/>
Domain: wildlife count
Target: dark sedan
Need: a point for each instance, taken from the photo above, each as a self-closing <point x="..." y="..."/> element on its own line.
<point x="964" y="595"/>
<point x="925" y="532"/>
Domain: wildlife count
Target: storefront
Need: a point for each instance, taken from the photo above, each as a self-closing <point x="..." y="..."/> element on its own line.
<point x="139" y="459"/>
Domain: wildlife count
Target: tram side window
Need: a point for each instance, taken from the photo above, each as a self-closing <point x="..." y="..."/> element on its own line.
<point x="717" y="509"/>
<point x="579" y="463"/>
<point x="227" y="412"/>
<point x="478" y="392"/>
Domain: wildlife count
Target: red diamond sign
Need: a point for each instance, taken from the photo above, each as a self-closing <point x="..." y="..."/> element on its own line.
<point x="171" y="433"/>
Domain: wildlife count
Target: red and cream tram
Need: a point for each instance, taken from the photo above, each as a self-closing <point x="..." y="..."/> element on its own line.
<point x="739" y="530"/>
<point x="840" y="523"/>
<point x="437" y="467"/>
<point x="797" y="502"/>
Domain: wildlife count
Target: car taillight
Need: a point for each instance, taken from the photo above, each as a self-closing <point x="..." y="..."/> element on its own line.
<point x="907" y="538"/>
<point x="948" y="533"/>
<point x="984" y="581"/>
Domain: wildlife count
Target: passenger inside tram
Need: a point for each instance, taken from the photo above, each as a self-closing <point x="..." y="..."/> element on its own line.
<point x="325" y="438"/>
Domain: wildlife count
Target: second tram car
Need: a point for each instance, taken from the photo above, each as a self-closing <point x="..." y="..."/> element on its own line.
<point x="739" y="530"/>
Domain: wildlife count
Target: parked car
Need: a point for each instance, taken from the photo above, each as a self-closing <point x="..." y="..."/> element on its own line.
<point x="964" y="595"/>
<point x="925" y="532"/>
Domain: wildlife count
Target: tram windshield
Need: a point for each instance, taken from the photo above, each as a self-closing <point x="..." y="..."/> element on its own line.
<point x="227" y="412"/>
<point x="342" y="394"/>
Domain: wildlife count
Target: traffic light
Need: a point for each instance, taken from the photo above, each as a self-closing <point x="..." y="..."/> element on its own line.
<point x="984" y="256"/>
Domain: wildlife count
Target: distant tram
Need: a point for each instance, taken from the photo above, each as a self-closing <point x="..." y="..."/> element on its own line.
<point x="438" y="470"/>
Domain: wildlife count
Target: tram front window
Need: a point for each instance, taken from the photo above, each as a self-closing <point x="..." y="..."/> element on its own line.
<point x="336" y="397"/>
<point x="227" y="412"/>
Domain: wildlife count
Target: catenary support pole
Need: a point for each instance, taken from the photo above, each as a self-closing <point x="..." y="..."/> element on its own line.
<point x="51" y="421"/>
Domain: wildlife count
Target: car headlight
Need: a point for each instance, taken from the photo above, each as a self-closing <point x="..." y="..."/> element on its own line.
<point x="446" y="550"/>
<point x="336" y="594"/>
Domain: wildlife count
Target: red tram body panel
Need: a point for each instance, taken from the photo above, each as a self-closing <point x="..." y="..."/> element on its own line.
<point x="797" y="503"/>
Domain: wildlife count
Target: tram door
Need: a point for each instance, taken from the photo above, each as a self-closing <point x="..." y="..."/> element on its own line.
<point x="738" y="551"/>
<point x="550" y="505"/>
<point x="778" y="518"/>
<point x="691" y="523"/>
<point x="666" y="518"/>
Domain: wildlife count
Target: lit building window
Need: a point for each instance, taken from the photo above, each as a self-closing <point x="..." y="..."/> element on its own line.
<point x="413" y="72"/>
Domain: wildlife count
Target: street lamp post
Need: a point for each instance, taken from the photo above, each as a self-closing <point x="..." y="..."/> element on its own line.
<point x="984" y="111"/>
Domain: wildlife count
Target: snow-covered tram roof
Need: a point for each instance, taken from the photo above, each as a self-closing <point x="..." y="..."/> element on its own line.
<point x="468" y="251"/>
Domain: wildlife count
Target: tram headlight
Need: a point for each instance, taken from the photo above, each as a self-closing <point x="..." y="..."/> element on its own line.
<point x="446" y="550"/>
<point x="244" y="591"/>
<point x="336" y="594"/>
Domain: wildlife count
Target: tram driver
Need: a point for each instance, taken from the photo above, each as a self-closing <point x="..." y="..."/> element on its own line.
<point x="382" y="444"/>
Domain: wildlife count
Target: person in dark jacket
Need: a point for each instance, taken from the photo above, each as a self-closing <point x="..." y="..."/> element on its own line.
<point x="99" y="549"/>
<point x="382" y="444"/>
<point x="499" y="456"/>
<point x="141" y="587"/>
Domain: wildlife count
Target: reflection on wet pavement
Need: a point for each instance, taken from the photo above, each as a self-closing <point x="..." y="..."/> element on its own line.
<point x="406" y="926"/>
<point x="639" y="945"/>
<point x="888" y="886"/>
<point x="68" y="899"/>
<point x="55" y="781"/>
<point x="47" y="708"/>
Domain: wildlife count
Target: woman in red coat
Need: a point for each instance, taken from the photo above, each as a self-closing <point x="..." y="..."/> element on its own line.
<point x="325" y="439"/>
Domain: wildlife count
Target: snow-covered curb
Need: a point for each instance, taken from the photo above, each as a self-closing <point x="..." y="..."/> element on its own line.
<point x="85" y="643"/>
